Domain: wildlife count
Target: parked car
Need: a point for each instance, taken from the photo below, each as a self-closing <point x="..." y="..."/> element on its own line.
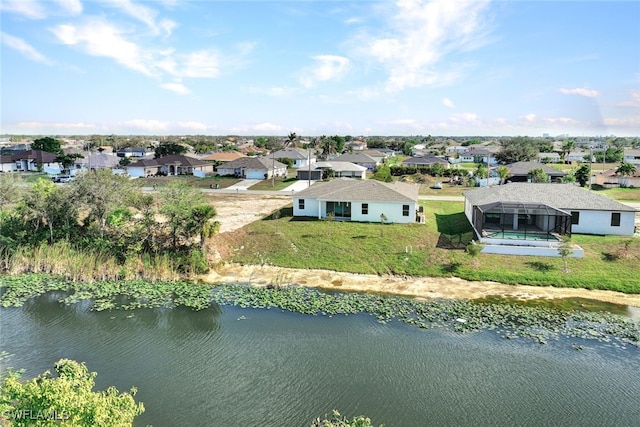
<point x="62" y="178"/>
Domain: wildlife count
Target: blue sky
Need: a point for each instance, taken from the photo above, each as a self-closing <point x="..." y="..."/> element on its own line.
<point x="448" y="67"/>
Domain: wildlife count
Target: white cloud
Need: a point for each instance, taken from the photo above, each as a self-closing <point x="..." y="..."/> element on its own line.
<point x="144" y="14"/>
<point x="277" y="91"/>
<point x="146" y="125"/>
<point x="632" y="123"/>
<point x="29" y="8"/>
<point x="73" y="7"/>
<point x="196" y="126"/>
<point x="267" y="127"/>
<point x="55" y="125"/>
<point x="23" y="47"/>
<point x="588" y="93"/>
<point x="326" y="67"/>
<point x="448" y="103"/>
<point x="421" y="35"/>
<point x="632" y="102"/>
<point x="530" y="118"/>
<point x="99" y="38"/>
<point x="204" y="63"/>
<point x="354" y="20"/>
<point x="176" y="87"/>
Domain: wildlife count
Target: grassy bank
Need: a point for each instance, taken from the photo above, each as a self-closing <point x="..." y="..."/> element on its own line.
<point x="65" y="260"/>
<point x="434" y="249"/>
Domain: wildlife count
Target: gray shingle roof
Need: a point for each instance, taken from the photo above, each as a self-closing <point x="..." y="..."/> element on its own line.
<point x="340" y="166"/>
<point x="355" y="158"/>
<point x="253" y="163"/>
<point x="559" y="196"/>
<point x="347" y="189"/>
<point x="291" y="153"/>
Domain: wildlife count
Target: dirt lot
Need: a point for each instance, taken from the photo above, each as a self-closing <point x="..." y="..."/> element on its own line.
<point x="236" y="211"/>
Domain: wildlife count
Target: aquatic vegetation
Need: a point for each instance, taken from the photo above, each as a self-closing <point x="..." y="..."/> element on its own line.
<point x="540" y="323"/>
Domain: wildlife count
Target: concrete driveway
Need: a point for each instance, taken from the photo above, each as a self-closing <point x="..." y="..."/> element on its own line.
<point x="244" y="184"/>
<point x="296" y="186"/>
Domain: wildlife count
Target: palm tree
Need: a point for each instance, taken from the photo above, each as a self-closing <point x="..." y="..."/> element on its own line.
<point x="626" y="170"/>
<point x="201" y="222"/>
<point x="503" y="173"/>
<point x="292" y="140"/>
<point x="567" y="147"/>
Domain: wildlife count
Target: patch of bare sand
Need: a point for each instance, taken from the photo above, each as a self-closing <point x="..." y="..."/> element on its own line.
<point x="236" y="211"/>
<point x="422" y="287"/>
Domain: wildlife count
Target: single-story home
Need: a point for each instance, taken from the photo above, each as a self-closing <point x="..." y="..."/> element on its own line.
<point x="358" y="159"/>
<point x="425" y="161"/>
<point x="632" y="156"/>
<point x="519" y="171"/>
<point x="132" y="152"/>
<point x="340" y="170"/>
<point x="537" y="215"/>
<point x="359" y="200"/>
<point x="610" y="178"/>
<point x="253" y="168"/>
<point x="31" y="160"/>
<point x="173" y="164"/>
<point x="551" y="157"/>
<point x="301" y="158"/>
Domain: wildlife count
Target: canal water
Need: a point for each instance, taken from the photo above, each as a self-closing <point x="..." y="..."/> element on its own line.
<point x="227" y="366"/>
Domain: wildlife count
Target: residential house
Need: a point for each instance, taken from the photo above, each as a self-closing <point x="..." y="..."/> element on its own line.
<point x="223" y="156"/>
<point x="173" y="164"/>
<point x="301" y="158"/>
<point x="356" y="145"/>
<point x="376" y="154"/>
<point x="253" y="168"/>
<point x="519" y="171"/>
<point x="632" y="156"/>
<point x="132" y="152"/>
<point x="320" y="170"/>
<point x="578" y="156"/>
<point x="610" y="178"/>
<point x="530" y="219"/>
<point x="358" y="159"/>
<point x="425" y="161"/>
<point x="359" y="200"/>
<point x="552" y="157"/>
<point x="35" y="160"/>
<point x="482" y="154"/>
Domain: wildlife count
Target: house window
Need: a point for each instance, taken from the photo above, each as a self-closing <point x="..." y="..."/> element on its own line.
<point x="365" y="208"/>
<point x="615" y="219"/>
<point x="405" y="210"/>
<point x="575" y="218"/>
<point x="301" y="204"/>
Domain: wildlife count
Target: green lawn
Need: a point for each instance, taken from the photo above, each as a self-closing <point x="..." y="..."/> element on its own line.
<point x="626" y="194"/>
<point x="434" y="249"/>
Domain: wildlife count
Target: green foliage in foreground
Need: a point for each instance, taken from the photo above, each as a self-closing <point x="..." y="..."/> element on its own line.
<point x="67" y="399"/>
<point x="337" y="420"/>
<point x="435" y="249"/>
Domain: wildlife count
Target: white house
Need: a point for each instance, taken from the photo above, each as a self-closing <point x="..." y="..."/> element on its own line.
<point x="359" y="200"/>
<point x="545" y="209"/>
<point x="7" y="164"/>
<point x="358" y="159"/>
<point x="301" y="158"/>
<point x="253" y="168"/>
<point x="632" y="156"/>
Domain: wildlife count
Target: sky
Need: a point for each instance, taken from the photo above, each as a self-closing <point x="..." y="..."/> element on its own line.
<point x="360" y="68"/>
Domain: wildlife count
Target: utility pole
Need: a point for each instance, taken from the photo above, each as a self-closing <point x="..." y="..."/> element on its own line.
<point x="308" y="166"/>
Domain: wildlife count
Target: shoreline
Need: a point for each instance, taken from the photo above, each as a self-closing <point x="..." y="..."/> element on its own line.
<point x="418" y="287"/>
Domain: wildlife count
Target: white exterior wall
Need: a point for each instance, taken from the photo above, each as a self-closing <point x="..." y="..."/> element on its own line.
<point x="226" y="171"/>
<point x="7" y="167"/>
<point x="599" y="222"/>
<point x="310" y="207"/>
<point x="393" y="212"/>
